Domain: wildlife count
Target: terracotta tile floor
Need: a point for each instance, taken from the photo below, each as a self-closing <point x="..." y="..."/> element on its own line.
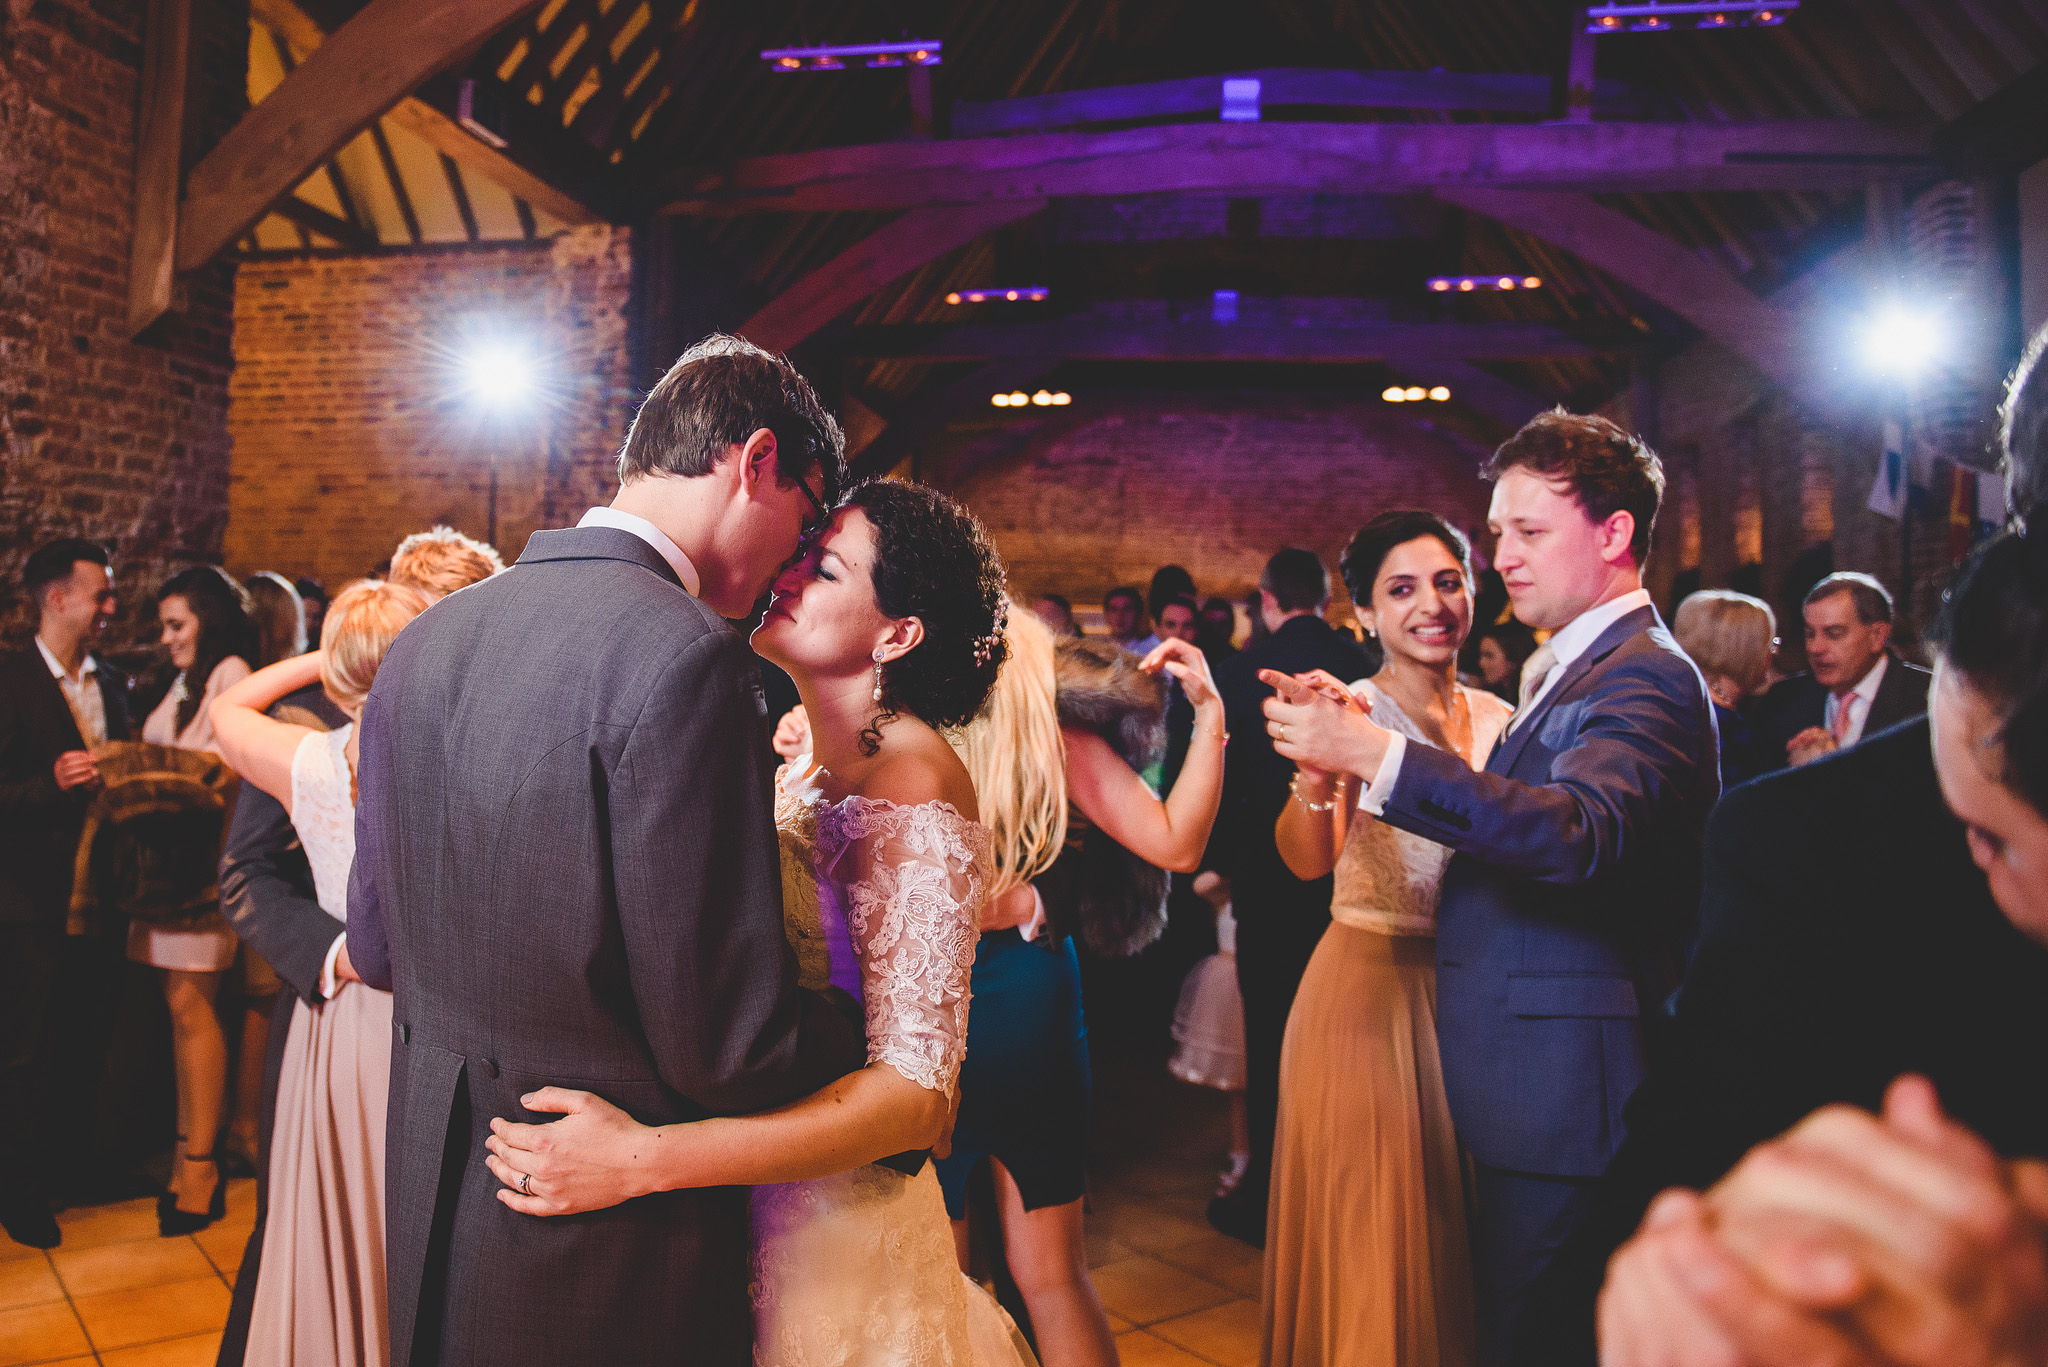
<point x="1178" y="1293"/>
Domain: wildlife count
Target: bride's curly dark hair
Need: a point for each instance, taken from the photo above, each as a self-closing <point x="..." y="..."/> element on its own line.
<point x="934" y="562"/>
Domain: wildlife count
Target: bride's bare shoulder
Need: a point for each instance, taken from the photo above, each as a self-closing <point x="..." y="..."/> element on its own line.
<point x="916" y="769"/>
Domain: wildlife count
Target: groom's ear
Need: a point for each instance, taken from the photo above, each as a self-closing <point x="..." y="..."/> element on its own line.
<point x="757" y="460"/>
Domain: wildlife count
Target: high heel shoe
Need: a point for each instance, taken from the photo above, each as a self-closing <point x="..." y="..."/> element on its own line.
<point x="171" y="1221"/>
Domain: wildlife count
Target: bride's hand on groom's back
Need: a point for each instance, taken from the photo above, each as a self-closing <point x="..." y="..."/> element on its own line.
<point x="593" y="1157"/>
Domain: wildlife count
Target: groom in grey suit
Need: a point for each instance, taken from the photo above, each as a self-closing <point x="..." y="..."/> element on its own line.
<point x="566" y="871"/>
<point x="1565" y="913"/>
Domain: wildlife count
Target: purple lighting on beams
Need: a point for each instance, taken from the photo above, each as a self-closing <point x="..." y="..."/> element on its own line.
<point x="1466" y="284"/>
<point x="1664" y="16"/>
<point x="910" y="52"/>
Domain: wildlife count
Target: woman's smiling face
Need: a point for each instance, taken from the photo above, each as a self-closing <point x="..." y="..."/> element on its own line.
<point x="1421" y="604"/>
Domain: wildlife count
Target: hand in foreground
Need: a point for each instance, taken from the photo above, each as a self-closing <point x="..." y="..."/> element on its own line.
<point x="792" y="733"/>
<point x="1309" y="726"/>
<point x="75" y="769"/>
<point x="1813" y="743"/>
<point x="1187" y="664"/>
<point x="595" y="1156"/>
<point x="1901" y="1240"/>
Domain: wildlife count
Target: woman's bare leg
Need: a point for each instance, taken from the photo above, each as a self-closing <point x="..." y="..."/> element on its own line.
<point x="1050" y="1266"/>
<point x="200" y="1049"/>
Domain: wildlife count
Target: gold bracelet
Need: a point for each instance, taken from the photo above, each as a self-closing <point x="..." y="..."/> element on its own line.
<point x="1294" y="790"/>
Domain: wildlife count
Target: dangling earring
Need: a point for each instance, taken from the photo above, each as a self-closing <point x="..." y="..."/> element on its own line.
<point x="878" y="676"/>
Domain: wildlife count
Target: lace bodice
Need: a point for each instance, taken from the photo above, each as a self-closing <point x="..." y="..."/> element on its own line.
<point x="1387" y="879"/>
<point x="898" y="892"/>
<point x="324" y="815"/>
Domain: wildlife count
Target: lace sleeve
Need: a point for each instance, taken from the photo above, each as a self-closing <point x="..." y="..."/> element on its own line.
<point x="914" y="879"/>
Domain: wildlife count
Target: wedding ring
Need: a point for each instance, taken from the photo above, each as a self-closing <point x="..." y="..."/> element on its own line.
<point x="526" y="1184"/>
<point x="1283" y="733"/>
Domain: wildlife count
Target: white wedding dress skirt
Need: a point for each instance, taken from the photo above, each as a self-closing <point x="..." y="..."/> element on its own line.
<point x="858" y="1270"/>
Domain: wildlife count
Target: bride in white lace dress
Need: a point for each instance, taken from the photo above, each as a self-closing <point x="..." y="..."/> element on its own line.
<point x="891" y="626"/>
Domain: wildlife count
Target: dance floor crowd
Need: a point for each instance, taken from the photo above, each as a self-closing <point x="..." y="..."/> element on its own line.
<point x="717" y="936"/>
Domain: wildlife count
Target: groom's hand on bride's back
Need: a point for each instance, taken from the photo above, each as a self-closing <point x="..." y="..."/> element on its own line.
<point x="595" y="1156"/>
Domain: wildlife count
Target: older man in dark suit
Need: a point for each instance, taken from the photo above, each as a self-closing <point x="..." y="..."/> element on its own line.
<point x="1279" y="917"/>
<point x="1857" y="685"/>
<point x="1564" y="915"/>
<point x="59" y="702"/>
<point x="565" y="837"/>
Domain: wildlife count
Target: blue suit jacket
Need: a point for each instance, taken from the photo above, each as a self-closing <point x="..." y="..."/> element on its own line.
<point x="1566" y="910"/>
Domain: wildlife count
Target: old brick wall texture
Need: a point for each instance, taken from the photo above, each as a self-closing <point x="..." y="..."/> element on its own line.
<point x="354" y="418"/>
<point x="1110" y="490"/>
<point x="100" y="436"/>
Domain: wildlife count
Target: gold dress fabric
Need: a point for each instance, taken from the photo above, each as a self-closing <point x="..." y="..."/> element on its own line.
<point x="1368" y="1261"/>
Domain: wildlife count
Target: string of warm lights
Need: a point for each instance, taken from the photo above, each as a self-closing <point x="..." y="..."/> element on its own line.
<point x="1663" y="16"/>
<point x="1414" y="393"/>
<point x="1033" y="294"/>
<point x="1044" y="398"/>
<point x="911" y="52"/>
<point x="1465" y="284"/>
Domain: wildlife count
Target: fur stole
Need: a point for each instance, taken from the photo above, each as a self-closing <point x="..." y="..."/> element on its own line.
<point x="1113" y="900"/>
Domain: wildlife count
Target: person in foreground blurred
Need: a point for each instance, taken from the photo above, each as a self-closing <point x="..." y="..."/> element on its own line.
<point x="1367" y="1258"/>
<point x="1565" y="913"/>
<point x="1731" y="637"/>
<point x="892" y="627"/>
<point x="210" y="638"/>
<point x="1038" y="757"/>
<point x="59" y="703"/>
<point x="1903" y="1237"/>
<point x="319" y="1299"/>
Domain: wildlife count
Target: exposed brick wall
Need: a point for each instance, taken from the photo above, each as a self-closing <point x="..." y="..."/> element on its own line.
<point x="351" y="424"/>
<point x="125" y="441"/>
<point x="1110" y="490"/>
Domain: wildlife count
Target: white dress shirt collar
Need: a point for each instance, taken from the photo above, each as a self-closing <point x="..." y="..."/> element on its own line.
<point x="652" y="535"/>
<point x="86" y="670"/>
<point x="1576" y="637"/>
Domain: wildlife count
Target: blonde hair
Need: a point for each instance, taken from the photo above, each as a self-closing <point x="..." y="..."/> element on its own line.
<point x="1018" y="760"/>
<point x="1729" y="635"/>
<point x="362" y="622"/>
<point x="440" y="560"/>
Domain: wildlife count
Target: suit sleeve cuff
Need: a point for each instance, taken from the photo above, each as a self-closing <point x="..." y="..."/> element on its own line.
<point x="1373" y="799"/>
<point x="328" y="986"/>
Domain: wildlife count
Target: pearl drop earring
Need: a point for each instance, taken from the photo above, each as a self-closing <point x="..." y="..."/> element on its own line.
<point x="878" y="676"/>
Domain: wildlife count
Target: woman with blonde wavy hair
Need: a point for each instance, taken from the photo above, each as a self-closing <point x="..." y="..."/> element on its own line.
<point x="320" y="1281"/>
<point x="1024" y="1087"/>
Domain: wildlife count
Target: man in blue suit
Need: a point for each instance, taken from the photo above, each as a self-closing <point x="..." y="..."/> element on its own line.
<point x="1565" y="913"/>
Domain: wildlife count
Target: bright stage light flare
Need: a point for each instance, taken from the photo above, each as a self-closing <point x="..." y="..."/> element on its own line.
<point x="500" y="375"/>
<point x="1900" y="341"/>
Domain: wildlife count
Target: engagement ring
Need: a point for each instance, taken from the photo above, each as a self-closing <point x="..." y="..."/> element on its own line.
<point x="526" y="1184"/>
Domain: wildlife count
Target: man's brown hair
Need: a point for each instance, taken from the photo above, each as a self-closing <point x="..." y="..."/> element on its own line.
<point x="717" y="394"/>
<point x="441" y="560"/>
<point x="1608" y="470"/>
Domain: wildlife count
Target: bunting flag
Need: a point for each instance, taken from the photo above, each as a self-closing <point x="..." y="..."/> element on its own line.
<point x="1888" y="496"/>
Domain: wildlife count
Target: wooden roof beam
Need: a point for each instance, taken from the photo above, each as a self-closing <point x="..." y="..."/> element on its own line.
<point x="1347" y="158"/>
<point x="365" y="68"/>
<point x="1666" y="271"/>
<point x="1094" y="339"/>
<point x="888" y="254"/>
<point x="436" y="128"/>
<point x="1283" y="86"/>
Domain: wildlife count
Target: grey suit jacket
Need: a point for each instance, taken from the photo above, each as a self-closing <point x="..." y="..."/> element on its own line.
<point x="1565" y="913"/>
<point x="564" y="832"/>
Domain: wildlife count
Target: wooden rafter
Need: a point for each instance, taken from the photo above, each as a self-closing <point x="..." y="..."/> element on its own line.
<point x="889" y="253"/>
<point x="363" y="69"/>
<point x="1703" y="294"/>
<point x="1347" y="158"/>
<point x="166" y="52"/>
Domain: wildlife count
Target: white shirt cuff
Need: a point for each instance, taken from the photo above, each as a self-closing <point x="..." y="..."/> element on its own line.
<point x="1373" y="800"/>
<point x="1036" y="925"/>
<point x="328" y="986"/>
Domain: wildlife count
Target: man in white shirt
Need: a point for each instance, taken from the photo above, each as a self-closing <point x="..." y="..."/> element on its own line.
<point x="58" y="705"/>
<point x="1562" y="918"/>
<point x="1856" y="685"/>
